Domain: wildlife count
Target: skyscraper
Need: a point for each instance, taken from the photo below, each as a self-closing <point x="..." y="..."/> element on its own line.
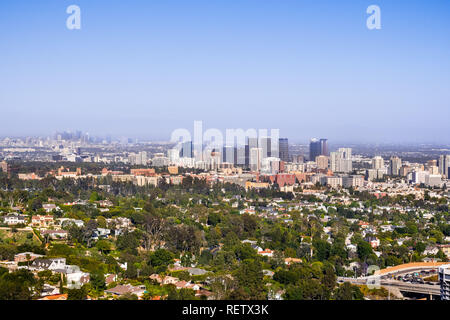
<point x="251" y="143"/>
<point x="395" y="163"/>
<point x="318" y="148"/>
<point x="229" y="155"/>
<point x="186" y="150"/>
<point x="341" y="160"/>
<point x="324" y="147"/>
<point x="444" y="164"/>
<point x="314" y="149"/>
<point x="283" y="146"/>
<point x="256" y="155"/>
<point x="377" y="162"/>
<point x="266" y="145"/>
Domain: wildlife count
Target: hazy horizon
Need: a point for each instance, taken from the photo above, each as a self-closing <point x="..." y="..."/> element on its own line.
<point x="142" y="69"/>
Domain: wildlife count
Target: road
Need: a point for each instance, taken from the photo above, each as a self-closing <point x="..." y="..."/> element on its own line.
<point x="402" y="286"/>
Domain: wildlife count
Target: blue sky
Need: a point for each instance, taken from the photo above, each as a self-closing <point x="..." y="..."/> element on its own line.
<point x="309" y="68"/>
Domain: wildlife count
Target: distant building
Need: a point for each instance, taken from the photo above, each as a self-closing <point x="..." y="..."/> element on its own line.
<point x="173" y="169"/>
<point x="433" y="180"/>
<point x="444" y="165"/>
<point x="42" y="221"/>
<point x="332" y="181"/>
<point x="266" y="145"/>
<point x="314" y="149"/>
<point x="395" y="163"/>
<point x="322" y="162"/>
<point x="126" y="289"/>
<point x="159" y="160"/>
<point x="14" y="218"/>
<point x="229" y="155"/>
<point x="352" y="181"/>
<point x="26" y="257"/>
<point x="186" y="150"/>
<point x="377" y="162"/>
<point x="49" y="264"/>
<point x="283" y="147"/>
<point x="256" y="155"/>
<point x="143" y="172"/>
<point x="341" y="160"/>
<point x="55" y="234"/>
<point x="63" y="173"/>
<point x="298" y="159"/>
<point x="444" y="281"/>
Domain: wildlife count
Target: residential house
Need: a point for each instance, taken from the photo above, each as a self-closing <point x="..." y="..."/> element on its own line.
<point x="65" y="222"/>
<point x="165" y="280"/>
<point x="196" y="271"/>
<point x="48" y="264"/>
<point x="55" y="234"/>
<point x="431" y="250"/>
<point x="446" y="249"/>
<point x="122" y="289"/>
<point x="42" y="221"/>
<point x="49" y="207"/>
<point x="289" y="261"/>
<point x="14" y="218"/>
<point x="26" y="257"/>
<point x="266" y="253"/>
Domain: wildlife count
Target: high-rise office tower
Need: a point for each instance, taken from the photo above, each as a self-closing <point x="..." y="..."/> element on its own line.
<point x="377" y="162"/>
<point x="229" y="155"/>
<point x="395" y="163"/>
<point x="251" y="143"/>
<point x="266" y="145"/>
<point x="256" y="156"/>
<point x="324" y="147"/>
<point x="341" y="160"/>
<point x="444" y="164"/>
<point x="318" y="148"/>
<point x="283" y="147"/>
<point x="314" y="149"/>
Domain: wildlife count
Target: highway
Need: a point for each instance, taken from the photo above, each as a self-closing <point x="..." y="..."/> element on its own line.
<point x="402" y="286"/>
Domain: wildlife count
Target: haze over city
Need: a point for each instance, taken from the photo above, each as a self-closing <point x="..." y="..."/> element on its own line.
<point x="142" y="69"/>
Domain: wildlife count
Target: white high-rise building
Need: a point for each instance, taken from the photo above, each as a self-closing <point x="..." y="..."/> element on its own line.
<point x="341" y="161"/>
<point x="256" y="156"/>
<point x="395" y="163"/>
<point x="142" y="158"/>
<point x="173" y="155"/>
<point x="377" y="162"/>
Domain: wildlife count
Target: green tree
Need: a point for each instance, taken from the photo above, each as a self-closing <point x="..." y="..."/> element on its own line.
<point x="364" y="250"/>
<point x="347" y="291"/>
<point x="97" y="281"/>
<point x="250" y="278"/>
<point x="322" y="249"/>
<point x="18" y="285"/>
<point x="77" y="294"/>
